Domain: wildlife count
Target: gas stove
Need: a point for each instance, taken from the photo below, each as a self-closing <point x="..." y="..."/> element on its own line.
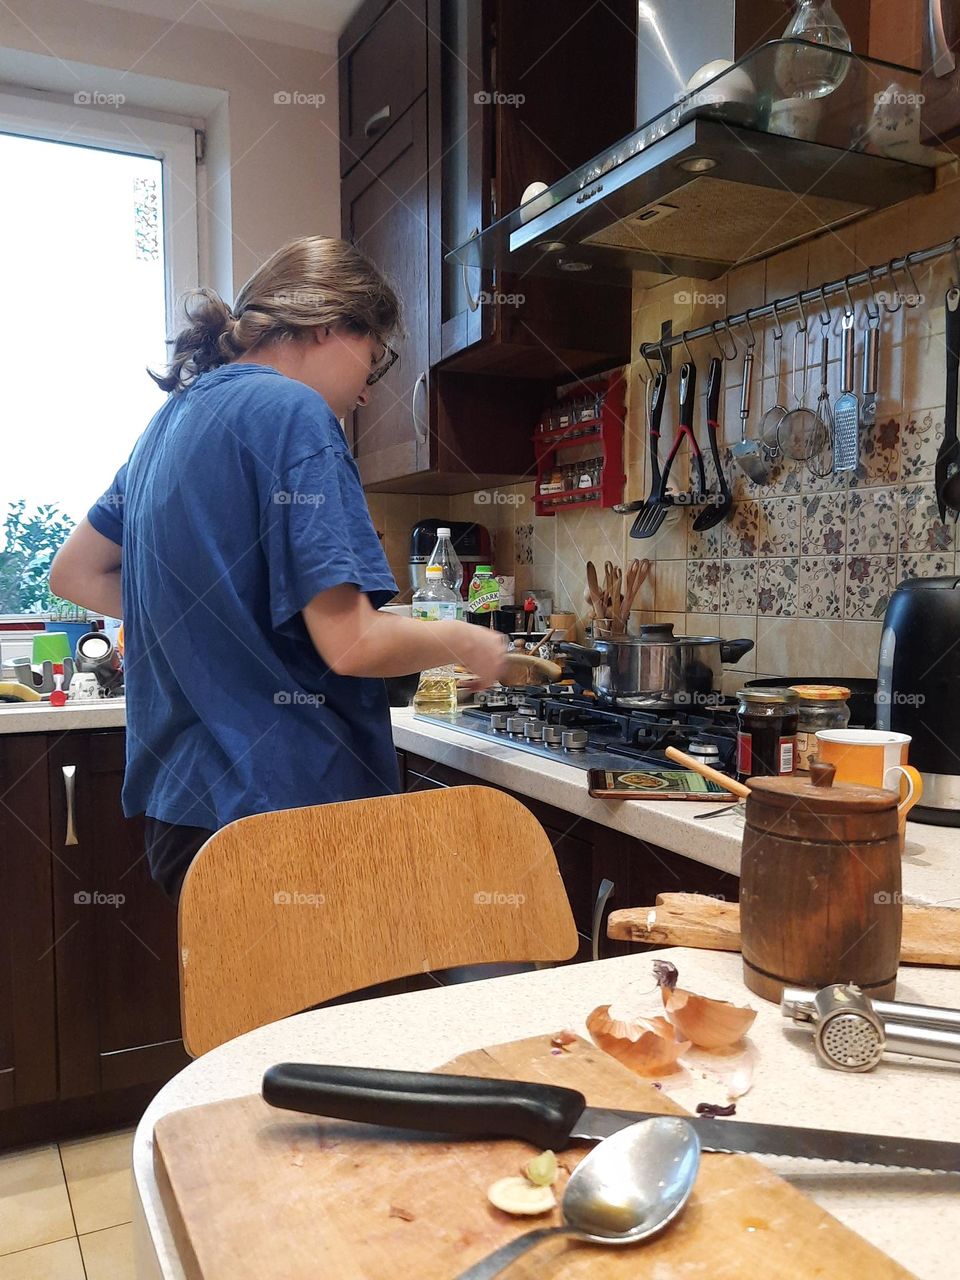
<point x="564" y="723"/>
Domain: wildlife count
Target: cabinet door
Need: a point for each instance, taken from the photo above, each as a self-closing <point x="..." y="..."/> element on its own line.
<point x="118" y="997"/>
<point x="383" y="69"/>
<point x="385" y="214"/>
<point x="28" y="1032"/>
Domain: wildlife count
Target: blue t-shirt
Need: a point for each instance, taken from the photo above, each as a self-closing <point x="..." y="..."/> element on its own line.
<point x="238" y="504"/>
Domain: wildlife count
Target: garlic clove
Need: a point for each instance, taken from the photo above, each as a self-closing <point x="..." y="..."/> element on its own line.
<point x="648" y="1046"/>
<point x="519" y="1196"/>
<point x="709" y="1024"/>
<point x="542" y="1169"/>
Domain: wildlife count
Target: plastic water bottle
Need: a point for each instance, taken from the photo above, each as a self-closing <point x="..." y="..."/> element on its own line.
<point x="436" y="602"/>
<point x="448" y="560"/>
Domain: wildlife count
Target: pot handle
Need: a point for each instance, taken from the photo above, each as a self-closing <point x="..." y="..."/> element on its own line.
<point x="734" y="650"/>
<point x="581" y="655"/>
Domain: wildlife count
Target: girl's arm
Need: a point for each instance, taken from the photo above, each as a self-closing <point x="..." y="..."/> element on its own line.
<point x="86" y="571"/>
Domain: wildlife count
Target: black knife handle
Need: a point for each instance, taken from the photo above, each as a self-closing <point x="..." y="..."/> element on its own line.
<point x="469" y="1106"/>
<point x="953" y="365"/>
<point x="656" y="418"/>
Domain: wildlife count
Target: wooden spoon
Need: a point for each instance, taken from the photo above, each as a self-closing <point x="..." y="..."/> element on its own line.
<point x="596" y="595"/>
<point x="637" y="573"/>
<point x="542" y="666"/>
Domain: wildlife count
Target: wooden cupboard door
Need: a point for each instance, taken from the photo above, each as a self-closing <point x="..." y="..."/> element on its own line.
<point x="385" y="214"/>
<point x="118" y="998"/>
<point x="28" y="1033"/>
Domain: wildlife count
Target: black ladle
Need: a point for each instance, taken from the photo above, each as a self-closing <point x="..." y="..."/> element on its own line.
<point x="947" y="484"/>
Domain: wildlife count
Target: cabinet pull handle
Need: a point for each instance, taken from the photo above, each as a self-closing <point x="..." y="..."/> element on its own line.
<point x="69" y="772"/>
<point x="472" y="302"/>
<point x="944" y="61"/>
<point x="376" y="121"/>
<point x="603" y="893"/>
<point x="421" y="434"/>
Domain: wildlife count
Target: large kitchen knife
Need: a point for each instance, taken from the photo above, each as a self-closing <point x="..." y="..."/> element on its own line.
<point x="552" y="1116"/>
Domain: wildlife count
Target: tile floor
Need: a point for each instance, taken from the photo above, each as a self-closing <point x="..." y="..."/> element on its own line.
<point x="65" y="1210"/>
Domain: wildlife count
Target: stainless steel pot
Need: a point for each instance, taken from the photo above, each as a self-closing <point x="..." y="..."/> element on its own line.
<point x="657" y="668"/>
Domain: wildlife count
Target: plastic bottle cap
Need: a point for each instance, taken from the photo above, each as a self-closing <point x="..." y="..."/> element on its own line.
<point x="443" y="533"/>
<point x="484" y="568"/>
<point x="434" y="571"/>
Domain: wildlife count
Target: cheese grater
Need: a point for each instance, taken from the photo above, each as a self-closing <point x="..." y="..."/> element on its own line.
<point x="846" y="412"/>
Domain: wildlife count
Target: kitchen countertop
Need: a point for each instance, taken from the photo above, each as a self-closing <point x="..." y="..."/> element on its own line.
<point x="931" y="859"/>
<point x="910" y="1215"/>
<point x="40" y="717"/>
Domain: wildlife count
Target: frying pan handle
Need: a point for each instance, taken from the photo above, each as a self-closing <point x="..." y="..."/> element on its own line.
<point x="734" y="650"/>
<point x="582" y="656"/>
<point x="656" y="417"/>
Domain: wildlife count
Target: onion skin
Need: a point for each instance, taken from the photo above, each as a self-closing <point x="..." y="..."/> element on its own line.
<point x="709" y="1024"/>
<point x="648" y="1046"/>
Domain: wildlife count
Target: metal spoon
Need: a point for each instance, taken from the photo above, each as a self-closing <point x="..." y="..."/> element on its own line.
<point x="629" y="1187"/>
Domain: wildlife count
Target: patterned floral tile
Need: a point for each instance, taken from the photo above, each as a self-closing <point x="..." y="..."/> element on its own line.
<point x="879" y="461"/>
<point x="777" y="587"/>
<point x="702" y="546"/>
<point x="703" y="586"/>
<point x="920" y="438"/>
<point x="933" y="566"/>
<point x="741" y="531"/>
<point x="823" y="526"/>
<point x="870" y="583"/>
<point x="921" y="529"/>
<point x="821" y="587"/>
<point x="779" y="530"/>
<point x="872" y="520"/>
<point x="524" y="543"/>
<point x="738" y="587"/>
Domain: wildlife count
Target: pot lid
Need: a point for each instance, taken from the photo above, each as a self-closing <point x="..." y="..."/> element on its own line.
<point x="818" y="793"/>
<point x="821" y="692"/>
<point x="773" y="693"/>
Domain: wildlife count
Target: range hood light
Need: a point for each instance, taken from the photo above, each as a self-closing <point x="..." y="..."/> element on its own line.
<point x="572" y="265"/>
<point x="697" y="164"/>
<point x="551" y="246"/>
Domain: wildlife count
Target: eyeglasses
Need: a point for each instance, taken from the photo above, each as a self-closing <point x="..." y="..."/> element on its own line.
<point x="386" y="362"/>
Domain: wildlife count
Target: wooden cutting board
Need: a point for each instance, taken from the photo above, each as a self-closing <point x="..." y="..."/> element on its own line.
<point x="253" y="1193"/>
<point x="931" y="935"/>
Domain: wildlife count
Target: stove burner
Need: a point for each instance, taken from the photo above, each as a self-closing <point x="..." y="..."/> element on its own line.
<point x="574" y="739"/>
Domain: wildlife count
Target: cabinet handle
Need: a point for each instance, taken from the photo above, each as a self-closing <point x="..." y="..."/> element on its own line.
<point x="69" y="772"/>
<point x="944" y="61"/>
<point x="421" y="435"/>
<point x="603" y="893"/>
<point x="376" y="121"/>
<point x="472" y="302"/>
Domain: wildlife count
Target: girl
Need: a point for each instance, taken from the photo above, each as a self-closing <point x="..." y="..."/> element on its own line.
<point x="237" y="547"/>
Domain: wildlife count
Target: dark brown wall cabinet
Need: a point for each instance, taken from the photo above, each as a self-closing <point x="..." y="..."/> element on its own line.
<point x="510" y="94"/>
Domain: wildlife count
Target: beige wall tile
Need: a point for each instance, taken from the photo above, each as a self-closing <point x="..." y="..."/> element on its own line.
<point x="98" y="1179"/>
<point x="34" y="1208"/>
<point x="60" y="1261"/>
<point x="861" y="649"/>
<point x="798" y="646"/>
<point x="670" y="590"/>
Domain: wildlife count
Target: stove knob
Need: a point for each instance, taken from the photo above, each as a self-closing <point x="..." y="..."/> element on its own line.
<point x="498" y="722"/>
<point x="515" y="725"/>
<point x="707" y="752"/>
<point x="574" y="739"/>
<point x="533" y="731"/>
<point x="552" y="735"/>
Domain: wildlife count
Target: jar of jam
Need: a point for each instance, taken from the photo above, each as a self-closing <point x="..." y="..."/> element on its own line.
<point x="821" y="706"/>
<point x="766" y="732"/>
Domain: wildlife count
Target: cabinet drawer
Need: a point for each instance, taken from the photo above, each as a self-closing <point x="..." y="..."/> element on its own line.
<point x="383" y="70"/>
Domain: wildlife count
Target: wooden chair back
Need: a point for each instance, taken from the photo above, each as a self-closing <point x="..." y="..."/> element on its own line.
<point x="286" y="910"/>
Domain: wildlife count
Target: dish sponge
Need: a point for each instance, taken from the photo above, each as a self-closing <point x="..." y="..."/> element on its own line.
<point x="14" y="691"/>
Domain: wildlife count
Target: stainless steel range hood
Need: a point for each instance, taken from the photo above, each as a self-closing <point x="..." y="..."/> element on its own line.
<point x="733" y="172"/>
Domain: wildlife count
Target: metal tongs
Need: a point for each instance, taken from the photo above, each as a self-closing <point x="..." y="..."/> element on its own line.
<point x="851" y="1032"/>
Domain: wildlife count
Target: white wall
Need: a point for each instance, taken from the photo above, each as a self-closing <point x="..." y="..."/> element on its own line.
<point x="274" y="171"/>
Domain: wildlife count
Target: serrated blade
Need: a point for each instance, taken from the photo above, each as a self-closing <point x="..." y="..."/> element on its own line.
<point x="597" y="1123"/>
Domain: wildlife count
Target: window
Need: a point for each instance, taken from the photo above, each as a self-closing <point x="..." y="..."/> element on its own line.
<point x="98" y="239"/>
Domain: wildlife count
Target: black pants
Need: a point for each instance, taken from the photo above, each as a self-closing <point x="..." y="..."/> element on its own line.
<point x="170" y="850"/>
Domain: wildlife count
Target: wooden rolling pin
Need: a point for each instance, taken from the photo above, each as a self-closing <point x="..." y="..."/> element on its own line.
<point x="931" y="935"/>
<point x="713" y="775"/>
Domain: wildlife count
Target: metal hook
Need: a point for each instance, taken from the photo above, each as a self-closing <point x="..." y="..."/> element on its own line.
<point x="752" y="340"/>
<point x="873" y="313"/>
<point x="777" y="326"/>
<point x="646" y="361"/>
<point x="892" y="311"/>
<point x="913" y="282"/>
<point x="802" y="322"/>
<point x="683" y="339"/>
<point x="825" y="320"/>
<point x="724" y="354"/>
<point x="956" y="259"/>
<point x="849" y="310"/>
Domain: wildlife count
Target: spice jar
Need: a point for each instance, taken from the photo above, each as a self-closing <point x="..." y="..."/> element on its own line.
<point x="766" y="732"/>
<point x="821" y="706"/>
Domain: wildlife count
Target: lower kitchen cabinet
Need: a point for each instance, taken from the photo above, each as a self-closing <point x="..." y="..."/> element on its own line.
<point x="89" y="990"/>
<point x="587" y="854"/>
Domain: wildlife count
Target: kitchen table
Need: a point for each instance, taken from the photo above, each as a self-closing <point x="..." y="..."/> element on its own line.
<point x="915" y="1217"/>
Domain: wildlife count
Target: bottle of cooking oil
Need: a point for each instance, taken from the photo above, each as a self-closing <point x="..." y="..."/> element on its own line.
<point x="435" y="602"/>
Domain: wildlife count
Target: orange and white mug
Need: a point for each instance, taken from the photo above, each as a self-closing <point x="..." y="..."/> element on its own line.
<point x="874" y="758"/>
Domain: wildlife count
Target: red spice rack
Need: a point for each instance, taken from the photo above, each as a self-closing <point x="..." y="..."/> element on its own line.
<point x="592" y="413"/>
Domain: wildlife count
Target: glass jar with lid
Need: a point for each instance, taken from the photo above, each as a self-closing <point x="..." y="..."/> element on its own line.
<point x="821" y="706"/>
<point x="766" y="732"/>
